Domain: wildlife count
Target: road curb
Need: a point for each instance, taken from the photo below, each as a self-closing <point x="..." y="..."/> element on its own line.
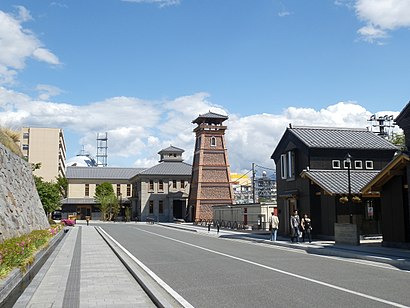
<point x="177" y="227"/>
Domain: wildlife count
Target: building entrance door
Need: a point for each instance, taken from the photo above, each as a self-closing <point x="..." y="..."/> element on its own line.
<point x="83" y="211"/>
<point x="178" y="209"/>
<point x="291" y="205"/>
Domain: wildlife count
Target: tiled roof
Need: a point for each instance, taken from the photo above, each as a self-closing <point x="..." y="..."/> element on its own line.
<point x="171" y="149"/>
<point x="346" y="138"/>
<point x="86" y="201"/>
<point x="78" y="201"/>
<point x="336" y="181"/>
<point x="169" y="168"/>
<point x="109" y="173"/>
<point x="212" y="117"/>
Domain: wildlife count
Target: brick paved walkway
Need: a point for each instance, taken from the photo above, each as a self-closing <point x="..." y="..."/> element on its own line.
<point x="83" y="272"/>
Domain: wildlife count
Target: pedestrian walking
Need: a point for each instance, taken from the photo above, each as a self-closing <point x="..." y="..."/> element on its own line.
<point x="274" y="222"/>
<point x="295" y="225"/>
<point x="306" y="224"/>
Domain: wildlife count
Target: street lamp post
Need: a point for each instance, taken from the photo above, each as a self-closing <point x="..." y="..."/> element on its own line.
<point x="349" y="186"/>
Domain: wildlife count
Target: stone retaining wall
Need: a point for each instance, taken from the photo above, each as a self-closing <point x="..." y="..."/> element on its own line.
<point x="21" y="210"/>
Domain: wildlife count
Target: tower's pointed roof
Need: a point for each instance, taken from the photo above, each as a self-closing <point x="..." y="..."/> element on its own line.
<point x="210" y="118"/>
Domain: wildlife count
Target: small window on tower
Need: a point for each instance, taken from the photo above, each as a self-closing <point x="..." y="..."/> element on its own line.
<point x="213" y="142"/>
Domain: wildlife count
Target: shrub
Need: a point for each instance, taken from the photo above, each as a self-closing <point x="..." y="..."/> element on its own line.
<point x="19" y="252"/>
<point x="68" y="222"/>
<point x="9" y="138"/>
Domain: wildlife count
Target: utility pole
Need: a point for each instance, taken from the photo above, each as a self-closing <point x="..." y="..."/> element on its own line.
<point x="253" y="183"/>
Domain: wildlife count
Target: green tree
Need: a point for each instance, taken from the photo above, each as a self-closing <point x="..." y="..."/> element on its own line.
<point x="49" y="194"/>
<point x="107" y="201"/>
<point x="62" y="184"/>
<point x="35" y="166"/>
<point x="399" y="140"/>
<point x="114" y="207"/>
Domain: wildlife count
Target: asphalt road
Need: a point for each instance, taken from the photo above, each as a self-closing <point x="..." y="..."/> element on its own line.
<point x="221" y="272"/>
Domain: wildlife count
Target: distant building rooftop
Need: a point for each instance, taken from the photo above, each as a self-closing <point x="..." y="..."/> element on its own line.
<point x="347" y="138"/>
<point x="108" y="173"/>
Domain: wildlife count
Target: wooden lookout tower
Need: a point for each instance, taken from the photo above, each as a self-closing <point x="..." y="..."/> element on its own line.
<point x="210" y="182"/>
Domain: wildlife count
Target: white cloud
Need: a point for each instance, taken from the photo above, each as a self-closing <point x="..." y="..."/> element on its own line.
<point x="284" y="14"/>
<point x="382" y="16"/>
<point x="255" y="137"/>
<point x="59" y="4"/>
<point x="372" y="34"/>
<point x="23" y="14"/>
<point x="45" y="55"/>
<point x="46" y="91"/>
<point x="138" y="129"/>
<point x="161" y="3"/>
<point x="17" y="44"/>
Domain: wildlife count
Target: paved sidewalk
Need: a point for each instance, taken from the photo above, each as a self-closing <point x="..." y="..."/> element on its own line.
<point x="370" y="250"/>
<point x="83" y="272"/>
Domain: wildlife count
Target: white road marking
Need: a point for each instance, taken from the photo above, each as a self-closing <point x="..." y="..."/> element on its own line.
<point x="171" y="291"/>
<point x="377" y="299"/>
<point x="301" y="251"/>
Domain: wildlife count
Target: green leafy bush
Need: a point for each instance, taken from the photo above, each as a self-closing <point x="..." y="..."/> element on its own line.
<point x="20" y="251"/>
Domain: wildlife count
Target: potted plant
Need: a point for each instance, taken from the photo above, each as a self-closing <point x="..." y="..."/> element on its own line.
<point x="343" y="199"/>
<point x="356" y="199"/>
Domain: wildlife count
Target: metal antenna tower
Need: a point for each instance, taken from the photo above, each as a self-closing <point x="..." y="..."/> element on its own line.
<point x="102" y="149"/>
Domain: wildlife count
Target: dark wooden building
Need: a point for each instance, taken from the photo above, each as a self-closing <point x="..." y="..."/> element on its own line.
<point x="314" y="173"/>
<point x="392" y="183"/>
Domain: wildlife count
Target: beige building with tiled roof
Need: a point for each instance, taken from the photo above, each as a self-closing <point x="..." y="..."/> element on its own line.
<point x="158" y="193"/>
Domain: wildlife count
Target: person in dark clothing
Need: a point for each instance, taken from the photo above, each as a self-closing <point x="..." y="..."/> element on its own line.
<point x="295" y="225"/>
<point x="306" y="225"/>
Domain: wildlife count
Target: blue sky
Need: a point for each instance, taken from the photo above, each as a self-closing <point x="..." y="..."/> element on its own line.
<point x="142" y="70"/>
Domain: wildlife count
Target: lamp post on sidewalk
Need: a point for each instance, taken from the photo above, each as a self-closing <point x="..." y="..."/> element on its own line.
<point x="348" y="159"/>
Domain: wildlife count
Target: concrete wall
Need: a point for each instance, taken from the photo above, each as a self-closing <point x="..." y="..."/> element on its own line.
<point x="257" y="214"/>
<point x="21" y="210"/>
